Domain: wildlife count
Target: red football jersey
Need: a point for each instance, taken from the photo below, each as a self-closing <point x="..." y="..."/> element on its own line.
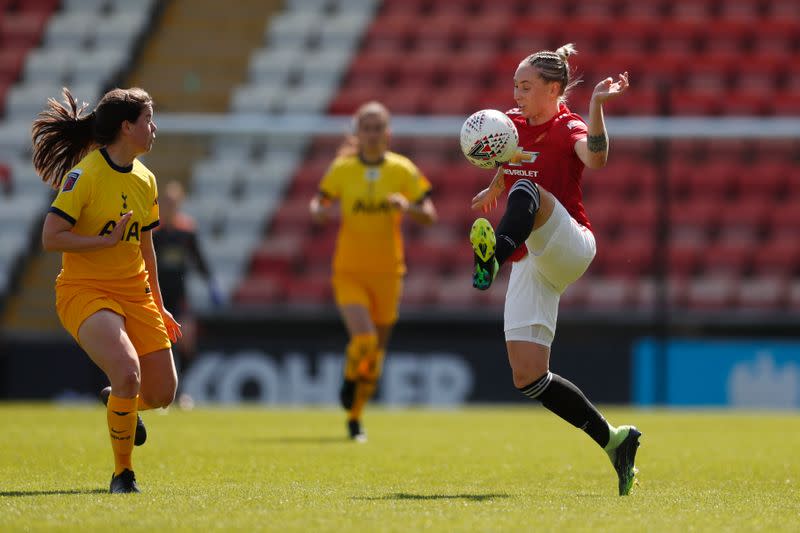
<point x="550" y="159"/>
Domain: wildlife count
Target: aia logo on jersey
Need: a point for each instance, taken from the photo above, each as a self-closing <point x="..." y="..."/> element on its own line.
<point x="71" y="180"/>
<point x="523" y="157"/>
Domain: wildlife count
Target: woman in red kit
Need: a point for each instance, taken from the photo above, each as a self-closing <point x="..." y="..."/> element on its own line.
<point x="547" y="236"/>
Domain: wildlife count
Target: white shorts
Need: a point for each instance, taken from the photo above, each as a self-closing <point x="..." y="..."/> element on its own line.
<point x="558" y="254"/>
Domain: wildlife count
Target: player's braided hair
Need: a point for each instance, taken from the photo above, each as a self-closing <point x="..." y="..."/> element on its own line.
<point x="62" y="134"/>
<point x="554" y="66"/>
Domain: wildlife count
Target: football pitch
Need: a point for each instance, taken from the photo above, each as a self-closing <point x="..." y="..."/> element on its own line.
<point x="474" y="469"/>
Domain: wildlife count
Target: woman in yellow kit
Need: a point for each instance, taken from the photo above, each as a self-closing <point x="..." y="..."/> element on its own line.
<point x="107" y="294"/>
<point x="374" y="187"/>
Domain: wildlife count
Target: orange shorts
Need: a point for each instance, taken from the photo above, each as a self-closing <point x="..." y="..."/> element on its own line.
<point x="380" y="293"/>
<point x="78" y="300"/>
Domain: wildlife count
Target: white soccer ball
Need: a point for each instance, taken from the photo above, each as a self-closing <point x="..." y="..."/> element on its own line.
<point x="488" y="138"/>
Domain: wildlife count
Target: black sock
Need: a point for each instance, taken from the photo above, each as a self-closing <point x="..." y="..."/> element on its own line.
<point x="517" y="222"/>
<point x="567" y="401"/>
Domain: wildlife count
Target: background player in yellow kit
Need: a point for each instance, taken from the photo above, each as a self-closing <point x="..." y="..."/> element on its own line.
<point x="373" y="188"/>
<point x="107" y="294"/>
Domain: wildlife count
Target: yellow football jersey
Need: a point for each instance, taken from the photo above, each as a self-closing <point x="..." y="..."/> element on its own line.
<point x="93" y="197"/>
<point x="370" y="237"/>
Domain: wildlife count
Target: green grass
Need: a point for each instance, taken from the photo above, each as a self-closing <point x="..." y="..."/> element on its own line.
<point x="486" y="469"/>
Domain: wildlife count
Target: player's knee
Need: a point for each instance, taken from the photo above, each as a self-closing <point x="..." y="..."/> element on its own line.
<point x="524" y="377"/>
<point x="125" y="382"/>
<point x="160" y="398"/>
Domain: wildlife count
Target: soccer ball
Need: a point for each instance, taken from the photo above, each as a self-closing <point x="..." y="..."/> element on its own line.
<point x="488" y="138"/>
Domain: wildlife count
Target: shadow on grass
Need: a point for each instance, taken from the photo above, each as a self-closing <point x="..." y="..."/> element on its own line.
<point x="17" y="493"/>
<point x="302" y="440"/>
<point x="407" y="496"/>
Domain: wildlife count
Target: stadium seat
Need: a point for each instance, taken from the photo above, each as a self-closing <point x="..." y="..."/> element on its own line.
<point x="727" y="258"/>
<point x="784" y="219"/>
<point x="683" y="257"/>
<point x="278" y="254"/>
<point x="309" y="291"/>
<point x="456" y="292"/>
<point x="610" y="293"/>
<point x="762" y="293"/>
<point x="743" y="220"/>
<point x="627" y="258"/>
<point x="793" y="298"/>
<point x="260" y="291"/>
<point x="778" y="257"/>
<point x="711" y="294"/>
<point x="419" y="288"/>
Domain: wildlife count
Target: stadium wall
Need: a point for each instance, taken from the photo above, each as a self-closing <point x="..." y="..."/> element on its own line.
<point x="445" y="361"/>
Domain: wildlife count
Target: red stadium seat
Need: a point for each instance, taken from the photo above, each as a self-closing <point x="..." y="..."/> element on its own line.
<point x="785" y="102"/>
<point x="23" y="28"/>
<point x="309" y="290"/>
<point x="731" y="258"/>
<point x="610" y="293"/>
<point x="456" y="292"/>
<point x="425" y="255"/>
<point x="292" y="217"/>
<point x="784" y="219"/>
<point x="640" y="217"/>
<point x="277" y="254"/>
<point x="419" y="288"/>
<point x="743" y="220"/>
<point x="605" y="216"/>
<point x="783" y="10"/>
<point x="764" y="181"/>
<point x="695" y="102"/>
<point x="423" y="68"/>
<point x="260" y="291"/>
<point x="12" y="58"/>
<point x="698" y="217"/>
<point x="778" y="257"/>
<point x="684" y="257"/>
<point x="715" y="179"/>
<point x="628" y="257"/>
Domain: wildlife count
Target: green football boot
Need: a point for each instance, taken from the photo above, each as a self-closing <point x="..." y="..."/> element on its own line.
<point x="483" y="244"/>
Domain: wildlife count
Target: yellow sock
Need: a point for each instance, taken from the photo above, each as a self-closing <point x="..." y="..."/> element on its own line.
<point x="359" y="347"/>
<point x="364" y="391"/>
<point x="369" y="370"/>
<point x="121" y="416"/>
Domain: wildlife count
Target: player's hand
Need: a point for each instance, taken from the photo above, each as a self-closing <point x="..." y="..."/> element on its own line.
<point x="321" y="210"/>
<point x="486" y="200"/>
<point x="398" y="201"/>
<point x="119" y="230"/>
<point x="172" y="325"/>
<point x="608" y="88"/>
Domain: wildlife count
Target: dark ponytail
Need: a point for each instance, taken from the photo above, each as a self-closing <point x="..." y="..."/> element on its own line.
<point x="63" y="135"/>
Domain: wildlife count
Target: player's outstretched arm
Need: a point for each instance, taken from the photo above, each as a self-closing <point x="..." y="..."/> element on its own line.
<point x="593" y="150"/>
